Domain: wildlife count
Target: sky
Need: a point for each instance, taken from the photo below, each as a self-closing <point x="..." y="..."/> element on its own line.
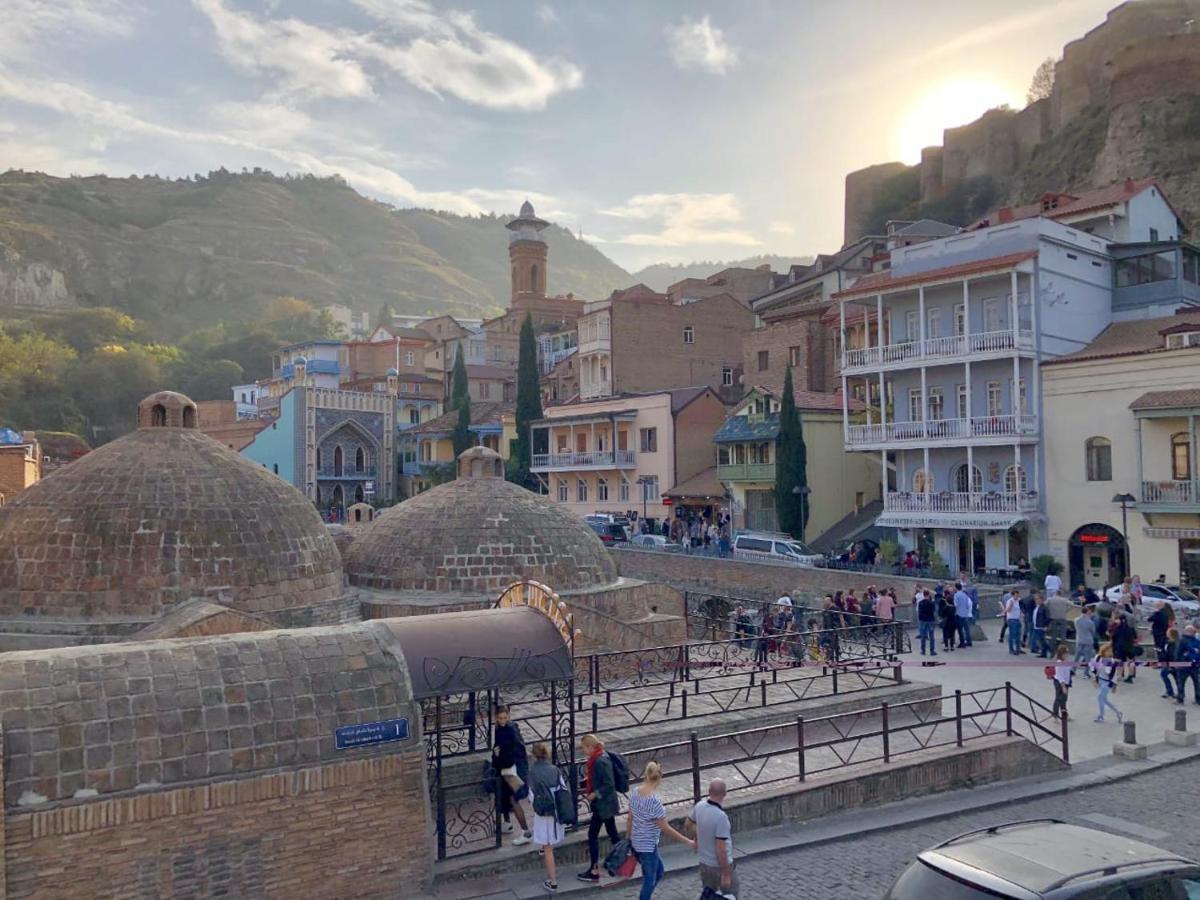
<point x="666" y="131"/>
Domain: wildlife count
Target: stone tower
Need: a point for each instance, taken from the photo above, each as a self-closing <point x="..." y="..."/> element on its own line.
<point x="527" y="254"/>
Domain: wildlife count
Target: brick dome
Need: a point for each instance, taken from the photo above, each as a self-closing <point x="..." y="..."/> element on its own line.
<point x="477" y="535"/>
<point x="157" y="517"/>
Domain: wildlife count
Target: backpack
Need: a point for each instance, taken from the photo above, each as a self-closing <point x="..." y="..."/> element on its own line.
<point x="544" y="803"/>
<point x="620" y="772"/>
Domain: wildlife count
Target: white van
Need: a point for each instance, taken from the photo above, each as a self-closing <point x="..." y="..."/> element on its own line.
<point x="779" y="548"/>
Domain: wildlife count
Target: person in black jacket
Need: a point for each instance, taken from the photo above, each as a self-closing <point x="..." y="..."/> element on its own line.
<point x="926" y="619"/>
<point x="512" y="768"/>
<point x="948" y="616"/>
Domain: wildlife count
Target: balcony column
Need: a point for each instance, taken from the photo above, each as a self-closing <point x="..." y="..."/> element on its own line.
<point x="883" y="475"/>
<point x="1137" y="436"/>
<point x="845" y="411"/>
<point x="925" y="487"/>
<point x="970" y="471"/>
<point x="1192" y="455"/>
<point x="921" y="314"/>
<point x="1012" y="310"/>
<point x="882" y="392"/>
<point x="970" y="398"/>
<point x="924" y="406"/>
<point x="879" y="323"/>
<point x="1016" y="391"/>
<point x="967" y="314"/>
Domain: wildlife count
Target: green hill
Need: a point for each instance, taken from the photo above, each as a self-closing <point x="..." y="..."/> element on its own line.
<point x="193" y="252"/>
<point x="661" y="275"/>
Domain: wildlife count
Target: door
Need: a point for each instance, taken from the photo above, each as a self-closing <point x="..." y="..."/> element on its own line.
<point x="1095" y="567"/>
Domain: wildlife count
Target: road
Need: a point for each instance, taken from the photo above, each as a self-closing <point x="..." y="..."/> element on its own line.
<point x="1159" y="807"/>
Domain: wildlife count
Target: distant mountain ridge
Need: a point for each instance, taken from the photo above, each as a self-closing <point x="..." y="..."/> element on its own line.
<point x="661" y="275"/>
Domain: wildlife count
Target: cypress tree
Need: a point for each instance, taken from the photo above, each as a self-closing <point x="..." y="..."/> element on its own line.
<point x="458" y="382"/>
<point x="462" y="428"/>
<point x="460" y="400"/>
<point x="529" y="401"/>
<point x="791" y="465"/>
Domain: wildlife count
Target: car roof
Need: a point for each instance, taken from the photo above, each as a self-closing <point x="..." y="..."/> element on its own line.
<point x="1042" y="855"/>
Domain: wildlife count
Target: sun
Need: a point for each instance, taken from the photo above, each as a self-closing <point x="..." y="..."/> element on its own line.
<point x="946" y="105"/>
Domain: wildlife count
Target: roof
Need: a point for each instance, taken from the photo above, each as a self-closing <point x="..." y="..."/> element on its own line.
<point x="317" y="342"/>
<point x="1187" y="398"/>
<point x="927" y="228"/>
<point x="880" y="282"/>
<point x="482" y="413"/>
<point x="741" y="428"/>
<point x="1131" y="338"/>
<point x="681" y="397"/>
<point x="702" y="484"/>
<point x="494" y="372"/>
<point x="1072" y="204"/>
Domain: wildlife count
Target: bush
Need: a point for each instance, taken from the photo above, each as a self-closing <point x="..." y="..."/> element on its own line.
<point x="889" y="553"/>
<point x="1045" y="565"/>
<point x="937" y="565"/>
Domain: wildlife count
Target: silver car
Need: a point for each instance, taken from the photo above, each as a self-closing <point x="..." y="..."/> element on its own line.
<point x="1185" y="603"/>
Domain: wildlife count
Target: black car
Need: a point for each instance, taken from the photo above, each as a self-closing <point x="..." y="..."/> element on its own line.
<point x="1046" y="859"/>
<point x="610" y="533"/>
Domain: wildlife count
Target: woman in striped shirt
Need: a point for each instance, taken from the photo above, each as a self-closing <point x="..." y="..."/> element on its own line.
<point x="645" y="825"/>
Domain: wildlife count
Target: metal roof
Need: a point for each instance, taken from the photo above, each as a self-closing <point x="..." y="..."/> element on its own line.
<point x="740" y="428"/>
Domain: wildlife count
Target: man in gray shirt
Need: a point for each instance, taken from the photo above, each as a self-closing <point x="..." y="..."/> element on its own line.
<point x="709" y="825"/>
<point x="1085" y="639"/>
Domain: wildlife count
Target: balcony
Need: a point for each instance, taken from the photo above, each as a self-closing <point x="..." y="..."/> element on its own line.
<point x="1170" y="496"/>
<point x="345" y="474"/>
<point x="981" y="430"/>
<point x="571" y="462"/>
<point x="746" y="472"/>
<point x="592" y="389"/>
<point x="601" y="343"/>
<point x="936" y="350"/>
<point x="958" y="502"/>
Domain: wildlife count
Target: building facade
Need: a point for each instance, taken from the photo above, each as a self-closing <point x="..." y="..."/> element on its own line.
<point x="1122" y="417"/>
<point x="426" y="451"/>
<point x="20" y="463"/>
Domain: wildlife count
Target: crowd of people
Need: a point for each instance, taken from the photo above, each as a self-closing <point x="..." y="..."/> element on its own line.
<point x="698" y="533"/>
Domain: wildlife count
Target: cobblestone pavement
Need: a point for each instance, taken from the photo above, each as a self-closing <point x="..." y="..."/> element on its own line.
<point x="1159" y="807"/>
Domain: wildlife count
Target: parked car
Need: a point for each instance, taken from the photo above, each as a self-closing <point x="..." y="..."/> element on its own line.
<point x="1183" y="600"/>
<point x="1045" y="859"/>
<point x="609" y="533"/>
<point x="611" y="519"/>
<point x="777" y="547"/>
<point x="655" y="542"/>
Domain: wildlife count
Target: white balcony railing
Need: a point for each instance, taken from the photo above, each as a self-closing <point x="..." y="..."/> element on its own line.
<point x="947" y="430"/>
<point x="1169" y="493"/>
<point x="591" y="389"/>
<point x="595" y="459"/>
<point x="939" y="348"/>
<point x="960" y="502"/>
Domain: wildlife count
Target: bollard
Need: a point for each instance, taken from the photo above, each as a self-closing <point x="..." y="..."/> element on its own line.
<point x="1129" y="748"/>
<point x="1179" y="736"/>
<point x="1130" y="732"/>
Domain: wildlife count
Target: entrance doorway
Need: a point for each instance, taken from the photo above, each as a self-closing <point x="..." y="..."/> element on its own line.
<point x="972" y="555"/>
<point x="1097" y="556"/>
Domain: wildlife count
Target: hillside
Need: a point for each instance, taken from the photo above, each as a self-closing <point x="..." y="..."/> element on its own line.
<point x="661" y="275"/>
<point x="189" y="253"/>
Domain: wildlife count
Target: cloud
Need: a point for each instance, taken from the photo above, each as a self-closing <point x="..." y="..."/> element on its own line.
<point x="781" y="228"/>
<point x="26" y="20"/>
<point x="547" y="14"/>
<point x="683" y="220"/>
<point x="700" y="45"/>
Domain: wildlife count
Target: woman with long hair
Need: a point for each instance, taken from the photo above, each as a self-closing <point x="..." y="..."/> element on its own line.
<point x="645" y="826"/>
<point x="1104" y="667"/>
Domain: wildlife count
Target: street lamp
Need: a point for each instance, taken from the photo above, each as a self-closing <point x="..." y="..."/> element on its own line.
<point x="644" y="480"/>
<point x="1126" y="500"/>
<point x="802" y="492"/>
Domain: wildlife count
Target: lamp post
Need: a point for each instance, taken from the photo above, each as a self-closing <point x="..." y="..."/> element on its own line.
<point x="1126" y="500"/>
<point x="802" y="493"/>
<point x="642" y="481"/>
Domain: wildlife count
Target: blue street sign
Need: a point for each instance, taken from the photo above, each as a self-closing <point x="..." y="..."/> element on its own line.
<point x="349" y="736"/>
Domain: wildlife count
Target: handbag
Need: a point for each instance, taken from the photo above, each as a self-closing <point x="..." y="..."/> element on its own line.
<point x="621" y="860"/>
<point x="564" y="807"/>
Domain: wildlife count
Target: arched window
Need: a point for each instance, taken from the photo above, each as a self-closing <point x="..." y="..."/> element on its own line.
<point x="1015" y="481"/>
<point x="968" y="479"/>
<point x="360" y="460"/>
<point x="189" y="417"/>
<point x="922" y="482"/>
<point x="358" y="494"/>
<point x="1181" y="457"/>
<point x="158" y="416"/>
<point x="1098" y="458"/>
<point x="337" y="460"/>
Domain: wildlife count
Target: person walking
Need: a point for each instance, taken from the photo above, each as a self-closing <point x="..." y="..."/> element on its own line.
<point x="1028" y="602"/>
<point x="1012" y="621"/>
<point x="600" y="789"/>
<point x="1062" y="680"/>
<point x="766" y="634"/>
<point x="645" y="826"/>
<point x="1189" y="652"/>
<point x="962" y="612"/>
<point x="1124" y="641"/>
<point x="709" y="825"/>
<point x="1085" y="639"/>
<point x="1167" y="655"/>
<point x="949" y="619"/>
<point x="544" y="782"/>
<point x="1052" y="584"/>
<point x="1104" y="667"/>
<point x="512" y="766"/>
<point x="1038" y="622"/>
<point x="926" y="619"/>
<point x="1160" y="622"/>
<point x="885" y="607"/>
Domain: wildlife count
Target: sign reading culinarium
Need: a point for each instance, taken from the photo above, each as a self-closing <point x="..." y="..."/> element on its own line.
<point x="350" y="736"/>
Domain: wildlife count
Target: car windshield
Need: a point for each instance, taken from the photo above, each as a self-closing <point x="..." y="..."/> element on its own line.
<point x="801" y="550"/>
<point x="1185" y="594"/>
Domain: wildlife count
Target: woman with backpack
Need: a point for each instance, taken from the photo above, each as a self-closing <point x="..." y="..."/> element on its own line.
<point x="1104" y="667"/>
<point x="544" y="781"/>
<point x="512" y="766"/>
<point x="600" y="787"/>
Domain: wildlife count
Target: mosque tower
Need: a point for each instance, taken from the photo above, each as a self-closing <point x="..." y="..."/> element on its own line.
<point x="527" y="253"/>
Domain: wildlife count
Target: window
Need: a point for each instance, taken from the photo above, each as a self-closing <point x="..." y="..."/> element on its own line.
<point x="1014" y="480"/>
<point x="933" y="328"/>
<point x="581" y="491"/>
<point x="1022" y="397"/>
<point x="912" y="324"/>
<point x="275" y="468"/>
<point x="991" y="314"/>
<point x="601" y="489"/>
<point x="994" y="397"/>
<point x="562" y="491"/>
<point x="963" y="406"/>
<point x="1181" y="457"/>
<point x="968" y="479"/>
<point x="1098" y="453"/>
<point x="404" y="387"/>
<point x="727" y="376"/>
<point x="1191" y="266"/>
<point x="623" y="491"/>
<point x="960" y="320"/>
<point x="764" y="360"/>
<point x="414" y="416"/>
<point x="1183" y="339"/>
<point x="485" y="390"/>
<point x="722" y="454"/>
<point x="410" y="358"/>
<point x="360" y="460"/>
<point x="914" y="405"/>
<point x="937" y="403"/>
<point x="650" y="489"/>
<point x="648" y="440"/>
<point x="689" y="334"/>
<point x="922" y="482"/>
<point x="1153" y="234"/>
<point x="794" y="356"/>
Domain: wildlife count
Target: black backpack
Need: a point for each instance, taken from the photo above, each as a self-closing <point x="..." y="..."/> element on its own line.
<point x="620" y="772"/>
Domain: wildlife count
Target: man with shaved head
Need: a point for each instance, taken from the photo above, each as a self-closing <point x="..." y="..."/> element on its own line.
<point x="709" y="825"/>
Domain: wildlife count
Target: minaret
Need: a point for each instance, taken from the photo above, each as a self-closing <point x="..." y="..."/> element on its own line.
<point x="527" y="254"/>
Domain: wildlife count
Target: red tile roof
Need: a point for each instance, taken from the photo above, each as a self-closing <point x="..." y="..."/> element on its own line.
<point x="1188" y="398"/>
<point x="1071" y="204"/>
<point x="816" y="401"/>
<point x="1131" y="338"/>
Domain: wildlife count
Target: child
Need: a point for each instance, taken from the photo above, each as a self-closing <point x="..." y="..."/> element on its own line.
<point x="544" y="781"/>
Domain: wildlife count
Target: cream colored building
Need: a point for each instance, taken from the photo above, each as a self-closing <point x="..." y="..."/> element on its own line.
<point x="1121" y="417"/>
<point x="624" y="453"/>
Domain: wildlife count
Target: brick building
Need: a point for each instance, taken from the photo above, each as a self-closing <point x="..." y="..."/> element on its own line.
<point x="638" y="340"/>
<point x="20" y="463"/>
<point x="739" y="282"/>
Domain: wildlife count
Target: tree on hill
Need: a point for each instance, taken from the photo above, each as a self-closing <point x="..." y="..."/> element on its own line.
<point x="384" y="316"/>
<point x="529" y="402"/>
<point x="458" y="381"/>
<point x="791" y="466"/>
<point x="1042" y="84"/>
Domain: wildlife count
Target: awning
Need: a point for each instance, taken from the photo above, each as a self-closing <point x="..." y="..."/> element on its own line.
<point x="1167" y="400"/>
<point x="973" y="521"/>
<point x="701" y="486"/>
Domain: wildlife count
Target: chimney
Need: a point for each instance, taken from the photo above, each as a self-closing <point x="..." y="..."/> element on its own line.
<point x="1004" y="214"/>
<point x="1129" y="185"/>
